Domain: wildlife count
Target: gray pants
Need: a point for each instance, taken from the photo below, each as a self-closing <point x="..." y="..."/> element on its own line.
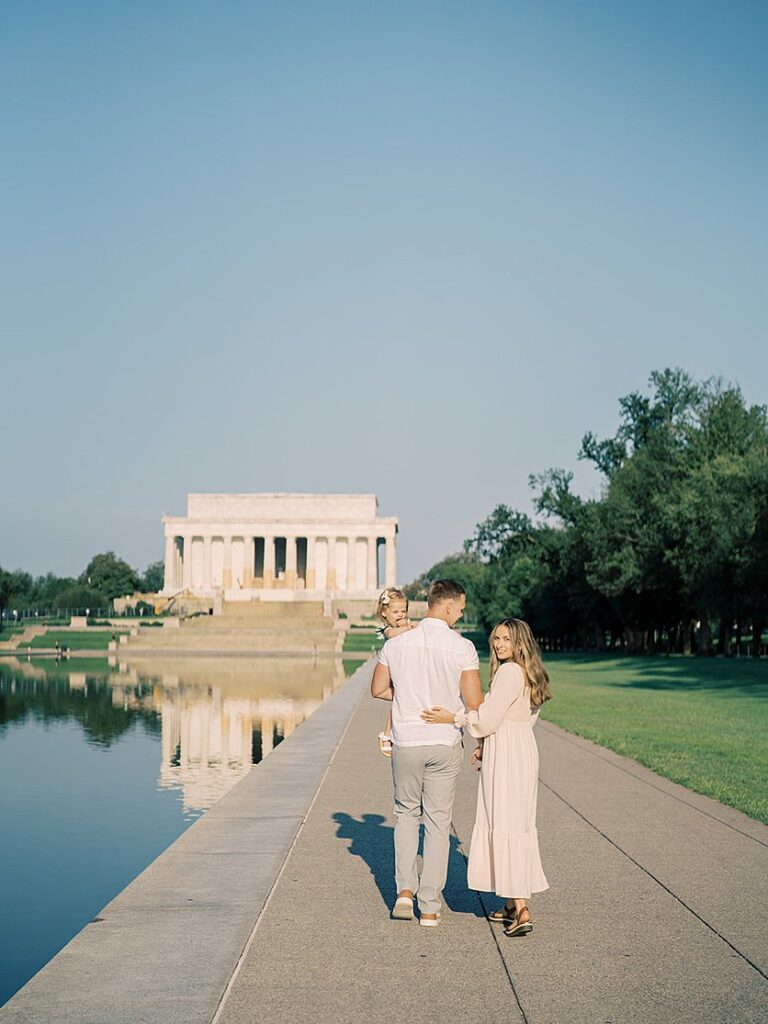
<point x="425" y="784"/>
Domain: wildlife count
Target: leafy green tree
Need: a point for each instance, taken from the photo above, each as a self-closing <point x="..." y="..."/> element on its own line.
<point x="465" y="567"/>
<point x="504" y="541"/>
<point x="506" y="587"/>
<point x="626" y="539"/>
<point x="24" y="592"/>
<point x="49" y="586"/>
<point x="110" y="575"/>
<point x="668" y="415"/>
<point x="716" y="516"/>
<point x="52" y="699"/>
<point x="153" y="578"/>
<point x="670" y="538"/>
<point x="80" y="595"/>
<point x="676" y="546"/>
<point x="21" y="589"/>
<point x="5" y="593"/>
<point x="503" y="530"/>
<point x="536" y="571"/>
<point x="752" y="573"/>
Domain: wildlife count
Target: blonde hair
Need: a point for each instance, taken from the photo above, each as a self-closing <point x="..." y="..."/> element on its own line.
<point x="390" y="594"/>
<point x="527" y="654"/>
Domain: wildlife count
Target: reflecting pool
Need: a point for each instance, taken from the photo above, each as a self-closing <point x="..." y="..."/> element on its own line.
<point x="103" y="766"/>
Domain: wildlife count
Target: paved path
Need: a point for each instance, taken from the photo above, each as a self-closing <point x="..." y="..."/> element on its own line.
<point x="656" y="912"/>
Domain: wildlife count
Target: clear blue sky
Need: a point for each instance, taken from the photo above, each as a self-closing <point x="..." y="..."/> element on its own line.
<point x="415" y="248"/>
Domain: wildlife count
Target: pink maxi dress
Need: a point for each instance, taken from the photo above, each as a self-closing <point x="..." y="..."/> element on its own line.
<point x="504" y="855"/>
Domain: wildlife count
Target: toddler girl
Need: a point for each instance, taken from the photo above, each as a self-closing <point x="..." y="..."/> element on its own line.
<point x="392" y="613"/>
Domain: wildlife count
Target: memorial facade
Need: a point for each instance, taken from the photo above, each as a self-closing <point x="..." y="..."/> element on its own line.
<point x="245" y="546"/>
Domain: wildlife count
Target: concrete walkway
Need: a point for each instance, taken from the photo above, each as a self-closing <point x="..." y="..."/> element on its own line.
<point x="275" y="905"/>
<point x="656" y="912"/>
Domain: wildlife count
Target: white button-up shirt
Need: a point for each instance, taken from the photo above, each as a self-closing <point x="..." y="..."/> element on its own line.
<point x="425" y="665"/>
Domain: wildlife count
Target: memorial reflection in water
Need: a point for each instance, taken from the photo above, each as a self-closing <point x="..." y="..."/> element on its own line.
<point x="212" y="733"/>
<point x="103" y="766"/>
<point x="217" y="717"/>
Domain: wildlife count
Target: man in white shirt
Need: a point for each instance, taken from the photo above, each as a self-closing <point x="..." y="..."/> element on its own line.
<point x="429" y="666"/>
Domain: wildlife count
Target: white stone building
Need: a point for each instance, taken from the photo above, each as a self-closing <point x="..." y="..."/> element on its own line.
<point x="286" y="546"/>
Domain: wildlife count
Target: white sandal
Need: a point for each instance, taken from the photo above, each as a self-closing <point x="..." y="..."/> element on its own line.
<point x="403" y="908"/>
<point x="430" y="922"/>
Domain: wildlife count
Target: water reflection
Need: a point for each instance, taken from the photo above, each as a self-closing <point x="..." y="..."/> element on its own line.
<point x="102" y="766"/>
<point x="217" y="717"/>
<point x="213" y="734"/>
<point x="49" y="693"/>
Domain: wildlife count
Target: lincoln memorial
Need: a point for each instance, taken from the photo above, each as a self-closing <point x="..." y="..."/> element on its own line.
<point x="245" y="546"/>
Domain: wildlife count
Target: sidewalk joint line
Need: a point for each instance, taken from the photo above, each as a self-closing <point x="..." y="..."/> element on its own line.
<point x="659" y="789"/>
<point x="249" y="941"/>
<point x="493" y="935"/>
<point x="658" y="881"/>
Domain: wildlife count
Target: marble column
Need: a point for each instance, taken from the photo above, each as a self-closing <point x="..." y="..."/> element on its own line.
<point x="226" y="572"/>
<point x="207" y="567"/>
<point x="310" y="577"/>
<point x="186" y="565"/>
<point x="269" y="561"/>
<point x="351" y="563"/>
<point x="372" y="565"/>
<point x="177" y="570"/>
<point x="330" y="579"/>
<point x="290" y="563"/>
<point x="168" y="582"/>
<point x="390" y="568"/>
<point x="249" y="555"/>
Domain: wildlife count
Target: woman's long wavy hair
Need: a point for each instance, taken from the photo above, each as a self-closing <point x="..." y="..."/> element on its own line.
<point x="526" y="653"/>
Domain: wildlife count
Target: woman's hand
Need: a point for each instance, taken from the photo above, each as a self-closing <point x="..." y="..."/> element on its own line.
<point x="477" y="756"/>
<point x="438" y="716"/>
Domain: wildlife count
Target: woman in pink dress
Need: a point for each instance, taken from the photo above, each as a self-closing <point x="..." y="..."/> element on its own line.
<point x="504" y="855"/>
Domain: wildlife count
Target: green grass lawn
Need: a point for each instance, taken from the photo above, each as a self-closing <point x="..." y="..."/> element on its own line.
<point x="358" y="640"/>
<point x="75" y="640"/>
<point x="10" y="631"/>
<point x="700" y="722"/>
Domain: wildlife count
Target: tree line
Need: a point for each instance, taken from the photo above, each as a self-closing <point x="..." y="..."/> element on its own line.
<point x="53" y="699"/>
<point x="104" y="578"/>
<point x="672" y="555"/>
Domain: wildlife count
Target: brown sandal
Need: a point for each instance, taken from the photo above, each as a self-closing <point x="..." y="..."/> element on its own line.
<point x="504" y="915"/>
<point x="518" y="925"/>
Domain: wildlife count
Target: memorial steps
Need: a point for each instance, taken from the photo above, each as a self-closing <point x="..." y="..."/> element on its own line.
<point x="271" y="627"/>
<point x="273" y="611"/>
<point x="22" y="639"/>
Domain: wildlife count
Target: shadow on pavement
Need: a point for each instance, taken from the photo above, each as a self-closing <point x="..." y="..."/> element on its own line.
<point x="372" y="840"/>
